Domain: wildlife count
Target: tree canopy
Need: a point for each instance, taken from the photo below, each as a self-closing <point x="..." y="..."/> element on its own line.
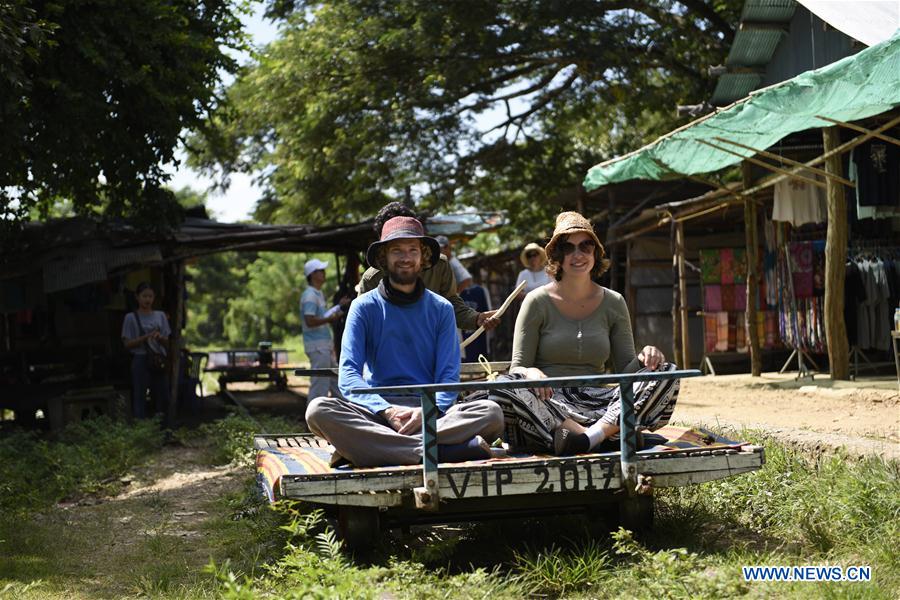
<point x="94" y="95"/>
<point x="458" y="101"/>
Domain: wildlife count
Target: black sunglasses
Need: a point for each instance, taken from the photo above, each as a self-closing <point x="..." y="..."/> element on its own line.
<point x="532" y="254"/>
<point x="585" y="246"/>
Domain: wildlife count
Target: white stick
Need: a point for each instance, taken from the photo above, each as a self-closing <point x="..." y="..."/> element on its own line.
<point x="497" y="315"/>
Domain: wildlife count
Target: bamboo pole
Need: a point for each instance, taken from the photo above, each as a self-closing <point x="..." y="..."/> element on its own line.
<point x="752" y="276"/>
<point x="875" y="134"/>
<point x="682" y="292"/>
<point x="835" y="265"/>
<point x="790" y="161"/>
<point x="765" y="165"/>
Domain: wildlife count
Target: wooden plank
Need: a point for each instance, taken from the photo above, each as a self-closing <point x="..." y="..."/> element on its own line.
<point x="507" y="478"/>
<point x="282" y="442"/>
<point x="695" y="477"/>
<point x="377" y="500"/>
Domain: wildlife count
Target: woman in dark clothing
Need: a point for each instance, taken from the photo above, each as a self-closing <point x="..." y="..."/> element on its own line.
<point x="145" y="333"/>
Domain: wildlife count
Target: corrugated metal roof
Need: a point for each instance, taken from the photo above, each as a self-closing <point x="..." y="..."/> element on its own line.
<point x="771" y="11"/>
<point x="754" y="47"/>
<point x="68" y="268"/>
<point x="734" y="86"/>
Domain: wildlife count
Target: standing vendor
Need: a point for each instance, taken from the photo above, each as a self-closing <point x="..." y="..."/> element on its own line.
<point x="145" y="333"/>
<point x="314" y="318"/>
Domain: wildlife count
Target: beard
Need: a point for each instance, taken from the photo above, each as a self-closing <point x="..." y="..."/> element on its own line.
<point x="404" y="277"/>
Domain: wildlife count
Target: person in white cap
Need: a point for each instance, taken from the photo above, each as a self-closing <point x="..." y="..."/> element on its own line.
<point x="314" y="319"/>
<point x="460" y="273"/>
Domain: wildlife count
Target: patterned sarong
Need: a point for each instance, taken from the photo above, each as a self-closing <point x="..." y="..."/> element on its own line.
<point x="530" y="422"/>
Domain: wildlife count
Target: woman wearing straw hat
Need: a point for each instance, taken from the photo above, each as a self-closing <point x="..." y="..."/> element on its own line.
<point x="534" y="259"/>
<point x="571" y="327"/>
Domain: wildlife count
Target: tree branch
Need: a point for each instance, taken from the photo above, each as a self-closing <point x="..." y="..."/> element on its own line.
<point x="541" y="103"/>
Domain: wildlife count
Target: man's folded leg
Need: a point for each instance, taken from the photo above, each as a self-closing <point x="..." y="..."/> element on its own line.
<point x="361" y="436"/>
<point x="464" y="421"/>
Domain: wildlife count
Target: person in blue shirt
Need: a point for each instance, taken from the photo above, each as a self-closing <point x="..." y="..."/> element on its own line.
<point x="400" y="334"/>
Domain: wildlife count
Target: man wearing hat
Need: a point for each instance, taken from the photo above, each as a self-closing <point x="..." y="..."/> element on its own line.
<point x="437" y="277"/>
<point x="401" y="334"/>
<point x="314" y="319"/>
<point x="534" y="259"/>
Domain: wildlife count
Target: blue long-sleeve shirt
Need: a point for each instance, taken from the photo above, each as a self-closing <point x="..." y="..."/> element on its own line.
<point x="389" y="344"/>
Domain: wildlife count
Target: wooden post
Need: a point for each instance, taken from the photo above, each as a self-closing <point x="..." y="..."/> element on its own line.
<point x="175" y="340"/>
<point x="580" y="198"/>
<point x="676" y="290"/>
<point x="629" y="289"/>
<point x="612" y="249"/>
<point x="835" y="262"/>
<point x="683" y="300"/>
<point x="752" y="274"/>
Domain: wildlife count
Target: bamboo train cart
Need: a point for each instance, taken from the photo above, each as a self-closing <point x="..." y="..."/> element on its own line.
<point x="365" y="501"/>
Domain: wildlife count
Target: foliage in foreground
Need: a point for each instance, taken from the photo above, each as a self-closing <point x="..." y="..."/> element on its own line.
<point x="87" y="458"/>
<point x="798" y="510"/>
<point x="230" y="440"/>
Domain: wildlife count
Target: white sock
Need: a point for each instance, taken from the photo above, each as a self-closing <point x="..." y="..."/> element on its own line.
<point x="595" y="434"/>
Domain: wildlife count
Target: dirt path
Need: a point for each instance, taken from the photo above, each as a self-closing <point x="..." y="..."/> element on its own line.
<point x="156" y="535"/>
<point x="862" y="417"/>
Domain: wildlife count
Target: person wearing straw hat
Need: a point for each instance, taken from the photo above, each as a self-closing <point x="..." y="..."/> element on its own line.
<point x="572" y="327"/>
<point x="401" y="334"/>
<point x="534" y="259"/>
<point x="438" y="278"/>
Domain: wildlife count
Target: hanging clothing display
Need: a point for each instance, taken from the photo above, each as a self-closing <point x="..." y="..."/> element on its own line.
<point x="873" y="313"/>
<point x="874" y="166"/>
<point x="724" y="277"/>
<point x="800" y="310"/>
<point x="798" y="201"/>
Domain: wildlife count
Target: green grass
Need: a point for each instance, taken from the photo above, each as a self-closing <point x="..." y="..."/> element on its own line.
<point x="87" y="458"/>
<point x="798" y="510"/>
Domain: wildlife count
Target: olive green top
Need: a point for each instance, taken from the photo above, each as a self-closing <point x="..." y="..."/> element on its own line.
<point x="439" y="279"/>
<point x="563" y="347"/>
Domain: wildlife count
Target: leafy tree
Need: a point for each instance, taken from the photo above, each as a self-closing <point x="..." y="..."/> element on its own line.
<point x="94" y="95"/>
<point x="238" y="299"/>
<point x="215" y="281"/>
<point x="492" y="104"/>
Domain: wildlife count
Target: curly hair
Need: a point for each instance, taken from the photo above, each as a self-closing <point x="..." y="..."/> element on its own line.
<point x="381" y="259"/>
<point x="555" y="259"/>
<point x="389" y="211"/>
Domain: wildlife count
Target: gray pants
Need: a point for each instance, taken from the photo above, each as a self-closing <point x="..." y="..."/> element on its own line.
<point x="322" y="358"/>
<point x="367" y="440"/>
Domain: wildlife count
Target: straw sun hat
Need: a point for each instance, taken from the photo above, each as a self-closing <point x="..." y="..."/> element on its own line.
<point x="571" y="222"/>
<point x="532" y="247"/>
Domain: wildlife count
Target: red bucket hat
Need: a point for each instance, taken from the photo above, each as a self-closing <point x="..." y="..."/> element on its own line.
<point x="402" y="228"/>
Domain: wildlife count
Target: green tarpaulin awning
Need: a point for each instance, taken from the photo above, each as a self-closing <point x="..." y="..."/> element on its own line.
<point x="856" y="87"/>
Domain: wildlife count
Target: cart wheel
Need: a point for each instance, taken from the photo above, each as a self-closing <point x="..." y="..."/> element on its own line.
<point x="358" y="526"/>
<point x="636" y="513"/>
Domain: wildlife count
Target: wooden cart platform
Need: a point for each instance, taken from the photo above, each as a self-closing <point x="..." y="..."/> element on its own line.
<point x="296" y="466"/>
<point x="364" y="500"/>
